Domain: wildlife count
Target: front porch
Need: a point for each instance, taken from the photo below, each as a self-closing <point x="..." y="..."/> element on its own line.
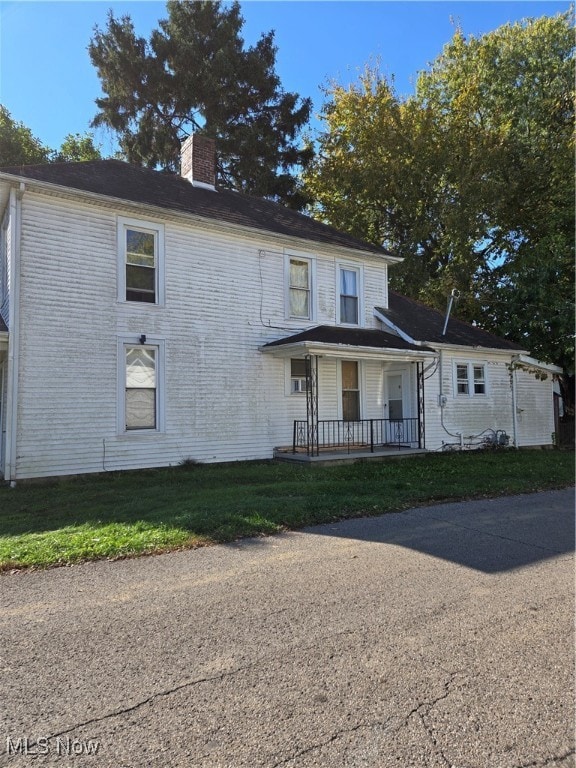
<point x="362" y="434"/>
<point x="345" y="456"/>
<point x="336" y="440"/>
<point x="353" y="395"/>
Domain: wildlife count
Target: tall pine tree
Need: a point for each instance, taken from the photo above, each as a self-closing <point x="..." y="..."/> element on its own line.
<point x="195" y="74"/>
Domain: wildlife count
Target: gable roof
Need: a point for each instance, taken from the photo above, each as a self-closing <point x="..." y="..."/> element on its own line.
<point x="120" y="180"/>
<point x="355" y="337"/>
<point x="424" y="324"/>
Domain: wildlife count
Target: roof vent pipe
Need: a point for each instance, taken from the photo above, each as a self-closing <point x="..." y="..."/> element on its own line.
<point x="455" y="294"/>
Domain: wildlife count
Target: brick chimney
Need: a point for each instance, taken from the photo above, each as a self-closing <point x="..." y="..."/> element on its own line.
<point x="198" y="161"/>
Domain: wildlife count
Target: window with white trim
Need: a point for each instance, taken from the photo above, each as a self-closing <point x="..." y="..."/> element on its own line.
<point x="349" y="288"/>
<point x="140" y="385"/>
<point x="470" y="379"/>
<point x="140" y="268"/>
<point x="299" y="288"/>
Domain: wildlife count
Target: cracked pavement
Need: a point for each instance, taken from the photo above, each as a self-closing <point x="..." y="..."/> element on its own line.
<point x="440" y="636"/>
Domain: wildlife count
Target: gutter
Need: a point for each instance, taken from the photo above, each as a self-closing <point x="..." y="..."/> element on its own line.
<point x="514" y="407"/>
<point x="345" y="351"/>
<point x="531" y="362"/>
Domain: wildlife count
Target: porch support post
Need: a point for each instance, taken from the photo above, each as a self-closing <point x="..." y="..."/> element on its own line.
<point x="312" y="448"/>
<point x="421" y="410"/>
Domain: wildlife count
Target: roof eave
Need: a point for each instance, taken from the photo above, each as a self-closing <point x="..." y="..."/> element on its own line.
<point x="217" y="224"/>
<point x="324" y="349"/>
<point x="474" y="348"/>
<point x="532" y="362"/>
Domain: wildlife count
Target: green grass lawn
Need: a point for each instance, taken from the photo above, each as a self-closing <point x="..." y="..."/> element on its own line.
<point x="129" y="513"/>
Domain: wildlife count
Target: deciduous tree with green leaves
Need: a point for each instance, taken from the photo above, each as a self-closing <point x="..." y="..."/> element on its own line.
<point x="18" y="145"/>
<point x="470" y="179"/>
<point x="195" y="74"/>
<point x="77" y="148"/>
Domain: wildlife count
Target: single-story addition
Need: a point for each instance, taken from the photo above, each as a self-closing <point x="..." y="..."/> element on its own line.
<point x="147" y="319"/>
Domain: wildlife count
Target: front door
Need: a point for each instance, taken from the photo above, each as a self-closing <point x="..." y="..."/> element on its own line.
<point x="350" y="391"/>
<point x="395" y="400"/>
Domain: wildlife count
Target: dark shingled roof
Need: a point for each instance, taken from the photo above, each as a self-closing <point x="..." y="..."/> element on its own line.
<point x="114" y="178"/>
<point x="3" y="328"/>
<point x="354" y="337"/>
<point x="425" y="324"/>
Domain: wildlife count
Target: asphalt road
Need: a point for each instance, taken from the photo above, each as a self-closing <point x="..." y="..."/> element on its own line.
<point x="441" y="636"/>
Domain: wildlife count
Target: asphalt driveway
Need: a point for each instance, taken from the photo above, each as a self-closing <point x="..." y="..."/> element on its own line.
<point x="441" y="636"/>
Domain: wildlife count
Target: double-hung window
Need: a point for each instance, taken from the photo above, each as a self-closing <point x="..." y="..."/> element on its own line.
<point x="299" y="288"/>
<point x="141" y="365"/>
<point x="470" y="379"/>
<point x="140" y="380"/>
<point x="140" y="269"/>
<point x="349" y="280"/>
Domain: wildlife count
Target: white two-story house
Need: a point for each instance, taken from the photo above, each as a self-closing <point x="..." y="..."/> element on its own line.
<point x="148" y="319"/>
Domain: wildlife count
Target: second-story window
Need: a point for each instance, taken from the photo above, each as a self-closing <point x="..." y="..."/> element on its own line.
<point x="140" y="265"/>
<point x="299" y="281"/>
<point x="349" y="284"/>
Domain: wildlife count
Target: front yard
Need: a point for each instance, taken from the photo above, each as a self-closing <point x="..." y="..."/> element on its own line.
<point x="130" y="513"/>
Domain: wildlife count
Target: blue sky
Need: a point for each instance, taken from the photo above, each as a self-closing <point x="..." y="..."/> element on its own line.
<point x="48" y="82"/>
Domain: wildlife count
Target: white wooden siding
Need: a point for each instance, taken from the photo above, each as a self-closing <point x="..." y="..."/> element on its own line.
<point x="224" y="400"/>
<point x="535" y="415"/>
<point x="474" y="417"/>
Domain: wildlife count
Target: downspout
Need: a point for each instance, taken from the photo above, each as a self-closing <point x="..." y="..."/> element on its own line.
<point x="514" y="404"/>
<point x="13" y="336"/>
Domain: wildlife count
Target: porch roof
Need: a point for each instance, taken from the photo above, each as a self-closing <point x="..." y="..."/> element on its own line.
<point x="332" y="340"/>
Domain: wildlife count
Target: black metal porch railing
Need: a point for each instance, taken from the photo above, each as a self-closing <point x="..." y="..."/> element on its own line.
<point x="365" y="433"/>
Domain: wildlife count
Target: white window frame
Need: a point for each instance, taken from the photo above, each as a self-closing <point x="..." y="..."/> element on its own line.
<point x="470" y="365"/>
<point x="156" y="229"/>
<point x="291" y="380"/>
<point x="293" y="256"/>
<point x="124" y="342"/>
<point x="341" y="265"/>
